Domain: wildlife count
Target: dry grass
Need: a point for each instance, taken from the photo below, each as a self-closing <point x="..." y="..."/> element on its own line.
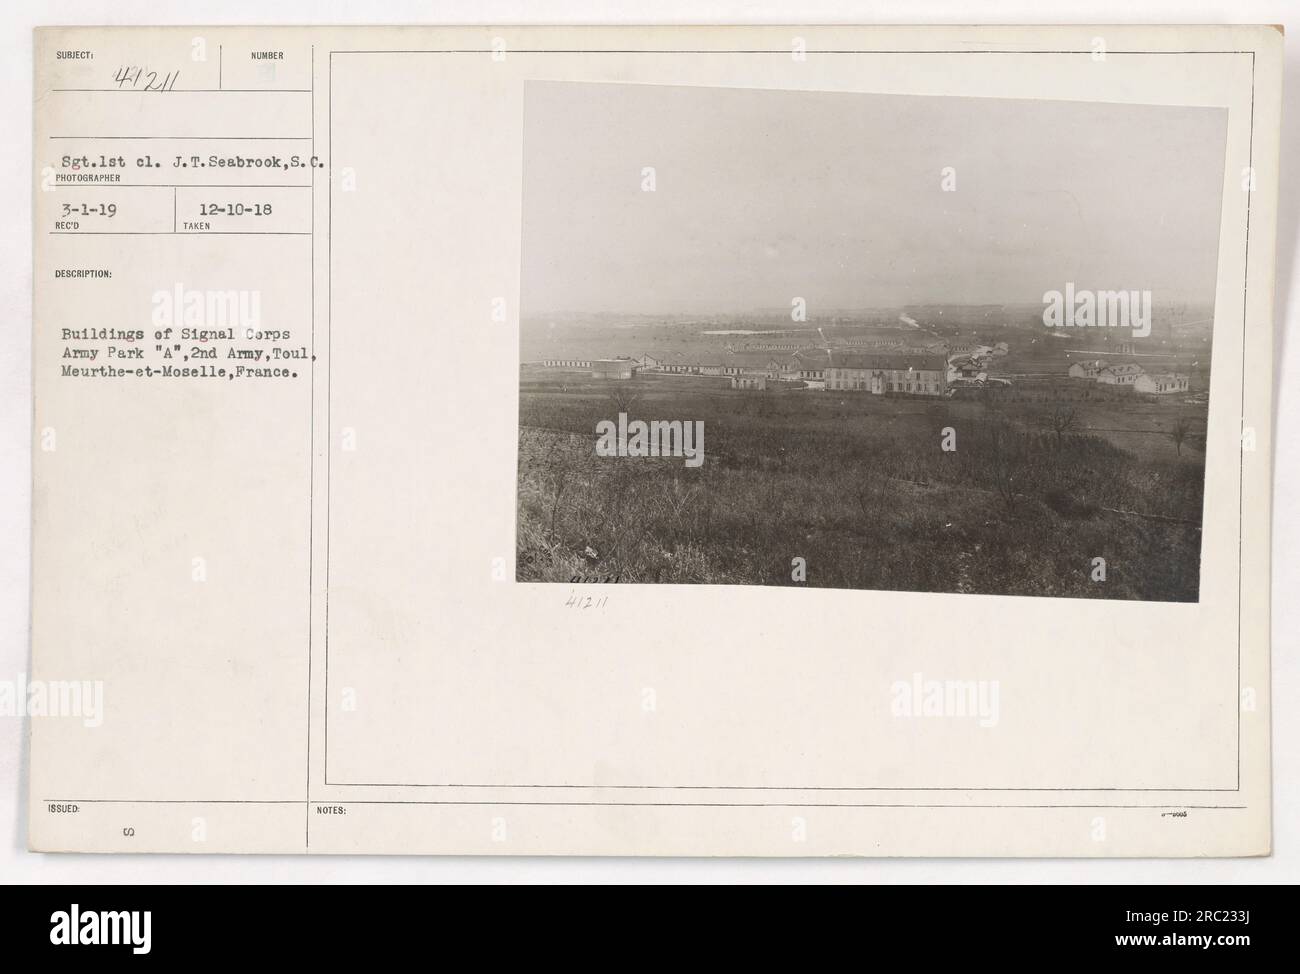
<point x="859" y="487"/>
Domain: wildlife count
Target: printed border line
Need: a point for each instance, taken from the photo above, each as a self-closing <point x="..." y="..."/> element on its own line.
<point x="311" y="468"/>
<point x="565" y="804"/>
<point x="329" y="451"/>
<point x="782" y="51"/>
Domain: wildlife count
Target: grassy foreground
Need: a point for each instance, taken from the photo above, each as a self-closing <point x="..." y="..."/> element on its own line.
<point x="860" y="488"/>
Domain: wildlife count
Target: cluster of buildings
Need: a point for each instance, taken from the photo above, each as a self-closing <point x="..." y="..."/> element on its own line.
<point x="876" y="366"/>
<point x="918" y="374"/>
<point x="1132" y="375"/>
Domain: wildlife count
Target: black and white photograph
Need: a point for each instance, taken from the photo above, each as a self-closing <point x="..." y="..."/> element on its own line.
<point x="864" y="341"/>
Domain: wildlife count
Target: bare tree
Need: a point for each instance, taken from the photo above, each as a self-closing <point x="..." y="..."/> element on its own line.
<point x="1182" y="429"/>
<point x="1061" y="421"/>
<point x="1007" y="460"/>
<point x="624" y="398"/>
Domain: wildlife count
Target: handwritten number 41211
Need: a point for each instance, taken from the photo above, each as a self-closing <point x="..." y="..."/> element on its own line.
<point x="576" y="601"/>
<point x="141" y="79"/>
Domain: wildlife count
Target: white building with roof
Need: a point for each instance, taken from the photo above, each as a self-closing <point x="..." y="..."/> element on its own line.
<point x="1120" y="374"/>
<point x="1161" y="383"/>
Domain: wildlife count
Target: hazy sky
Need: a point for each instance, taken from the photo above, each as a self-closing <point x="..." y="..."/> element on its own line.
<point x="766" y="195"/>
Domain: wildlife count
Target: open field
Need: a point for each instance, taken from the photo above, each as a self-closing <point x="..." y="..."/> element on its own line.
<point x="859" y="486"/>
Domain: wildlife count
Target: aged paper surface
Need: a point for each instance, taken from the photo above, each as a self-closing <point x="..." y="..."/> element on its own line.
<point x="700" y="441"/>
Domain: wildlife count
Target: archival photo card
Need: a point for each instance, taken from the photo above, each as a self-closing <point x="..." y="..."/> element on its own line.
<point x="703" y="441"/>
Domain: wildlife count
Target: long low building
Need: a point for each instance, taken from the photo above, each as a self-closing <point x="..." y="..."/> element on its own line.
<point x="567" y="363"/>
<point x="917" y="375"/>
<point x="1120" y="373"/>
<point x="1161" y="383"/>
